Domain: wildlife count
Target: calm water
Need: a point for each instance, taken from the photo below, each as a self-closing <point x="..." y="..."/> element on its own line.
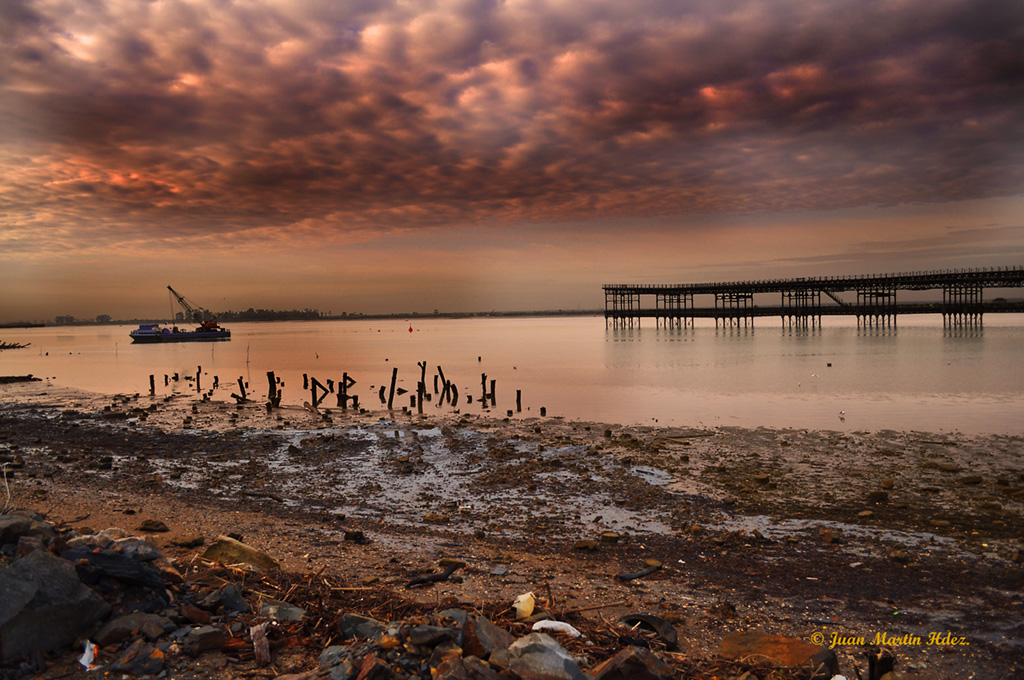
<point x="915" y="377"/>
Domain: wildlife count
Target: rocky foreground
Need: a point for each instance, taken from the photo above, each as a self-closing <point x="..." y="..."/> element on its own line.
<point x="397" y="547"/>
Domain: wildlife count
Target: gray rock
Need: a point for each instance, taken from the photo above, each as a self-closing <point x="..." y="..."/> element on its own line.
<point x="233" y="601"/>
<point x="45" y="606"/>
<point x="13" y="527"/>
<point x="632" y="663"/>
<point x="202" y="639"/>
<point x="153" y="626"/>
<point x="333" y="655"/>
<point x="141" y="658"/>
<point x="482" y="638"/>
<point x="431" y="636"/>
<point x="137" y="548"/>
<point x="539" y="657"/>
<point x="355" y="626"/>
<point x="275" y="610"/>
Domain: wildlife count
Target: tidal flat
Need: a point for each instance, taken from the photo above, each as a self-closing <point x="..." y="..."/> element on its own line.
<point x="811" y="534"/>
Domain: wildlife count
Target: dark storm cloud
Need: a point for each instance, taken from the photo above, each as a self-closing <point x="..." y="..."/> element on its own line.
<point x="381" y="114"/>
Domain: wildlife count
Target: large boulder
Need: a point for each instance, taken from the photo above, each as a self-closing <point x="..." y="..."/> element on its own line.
<point x="44" y="605"/>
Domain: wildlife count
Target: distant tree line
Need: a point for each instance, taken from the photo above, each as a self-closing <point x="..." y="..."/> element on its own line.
<point x="269" y="315"/>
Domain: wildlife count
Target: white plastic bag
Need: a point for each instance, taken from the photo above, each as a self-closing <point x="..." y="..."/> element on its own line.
<point x="558" y="627"/>
<point x="89" y="655"/>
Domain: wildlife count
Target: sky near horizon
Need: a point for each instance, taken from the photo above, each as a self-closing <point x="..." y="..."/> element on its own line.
<point x="382" y="156"/>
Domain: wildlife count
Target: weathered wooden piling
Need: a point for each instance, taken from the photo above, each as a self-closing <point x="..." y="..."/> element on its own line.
<point x="519" y="401"/>
<point x="152" y="384"/>
<point x="317" y="385"/>
<point x="391" y="392"/>
<point x="240" y="397"/>
<point x="199" y="372"/>
<point x="343" y="385"/>
<point x="273" y="393"/>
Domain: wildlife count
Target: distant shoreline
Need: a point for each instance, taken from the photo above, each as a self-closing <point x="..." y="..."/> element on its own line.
<point x="335" y="317"/>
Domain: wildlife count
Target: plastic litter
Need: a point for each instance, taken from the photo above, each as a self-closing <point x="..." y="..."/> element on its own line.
<point x="87" y="658"/>
<point x="524" y="605"/>
<point x="558" y="627"/>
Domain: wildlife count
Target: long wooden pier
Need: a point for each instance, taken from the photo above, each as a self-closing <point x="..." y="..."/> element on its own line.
<point x="804" y="301"/>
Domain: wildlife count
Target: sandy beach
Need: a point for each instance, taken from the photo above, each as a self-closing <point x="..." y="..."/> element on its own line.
<point x="906" y="538"/>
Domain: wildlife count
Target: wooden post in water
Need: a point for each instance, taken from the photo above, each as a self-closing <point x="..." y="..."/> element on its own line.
<point x="199" y="372"/>
<point x="305" y="381"/>
<point x="519" y="401"/>
<point x="483" y="388"/>
<point x="391" y="392"/>
<point x="493" y="398"/>
<point x="167" y="380"/>
<point x="317" y="385"/>
<point x="273" y="393"/>
<point x="240" y="397"/>
<point x="152" y="384"/>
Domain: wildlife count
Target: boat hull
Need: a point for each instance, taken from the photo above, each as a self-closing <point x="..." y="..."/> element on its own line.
<point x="154" y="334"/>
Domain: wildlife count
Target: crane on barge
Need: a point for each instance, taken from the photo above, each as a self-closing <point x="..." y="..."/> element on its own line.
<point x="208" y="328"/>
<point x="193" y="312"/>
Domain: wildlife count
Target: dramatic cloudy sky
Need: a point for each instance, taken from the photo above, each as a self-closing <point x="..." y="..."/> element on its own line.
<point x="393" y="155"/>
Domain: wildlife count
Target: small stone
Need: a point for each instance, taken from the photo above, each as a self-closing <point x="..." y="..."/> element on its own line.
<point x="193" y="542"/>
<point x="355" y="626"/>
<point x="632" y="663"/>
<point x="355" y="536"/>
<point x="887" y="483"/>
<point x="227" y="550"/>
<point x="140" y="659"/>
<point x="610" y="537"/>
<point x="878" y="496"/>
<point x="865" y="514"/>
<point x="971" y="480"/>
<point x="763" y="478"/>
<point x="203" y="639"/>
<point x="153" y="526"/>
<point x="941" y="523"/>
<point x="948" y="467"/>
<point x="586" y="544"/>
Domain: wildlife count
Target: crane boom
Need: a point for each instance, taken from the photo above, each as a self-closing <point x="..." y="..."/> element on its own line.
<point x="192" y="312"/>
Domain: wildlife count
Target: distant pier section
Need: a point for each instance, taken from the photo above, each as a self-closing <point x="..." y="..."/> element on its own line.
<point x="802" y="302"/>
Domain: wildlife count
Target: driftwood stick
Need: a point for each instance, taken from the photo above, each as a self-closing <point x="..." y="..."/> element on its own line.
<point x="594" y="607"/>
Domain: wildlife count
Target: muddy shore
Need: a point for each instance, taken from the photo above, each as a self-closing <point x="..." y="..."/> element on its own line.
<point x="906" y="535"/>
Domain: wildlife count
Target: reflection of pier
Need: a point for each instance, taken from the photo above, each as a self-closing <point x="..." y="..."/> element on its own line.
<point x="801" y="303"/>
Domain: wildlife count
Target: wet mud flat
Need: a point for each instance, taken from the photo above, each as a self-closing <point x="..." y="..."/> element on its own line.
<point x="846" y="536"/>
